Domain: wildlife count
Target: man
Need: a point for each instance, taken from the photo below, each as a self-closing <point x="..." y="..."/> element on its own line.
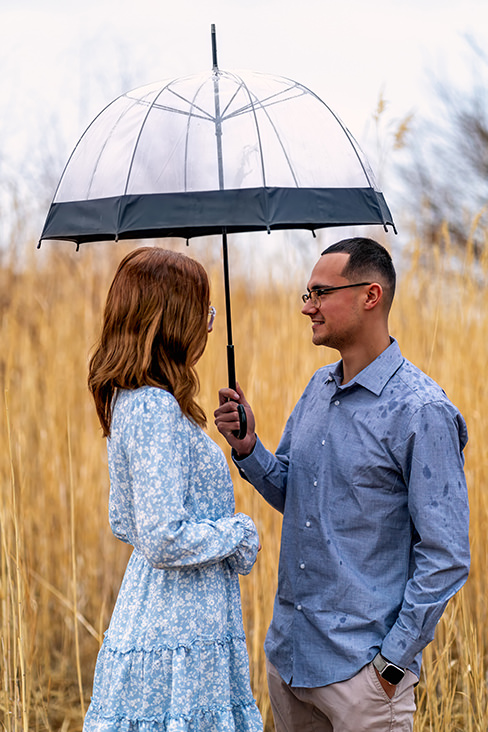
<point x="369" y="478"/>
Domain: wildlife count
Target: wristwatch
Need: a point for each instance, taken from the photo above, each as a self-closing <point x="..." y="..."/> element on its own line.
<point x="388" y="671"/>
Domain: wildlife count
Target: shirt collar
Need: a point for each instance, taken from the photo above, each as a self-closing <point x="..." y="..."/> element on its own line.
<point x="377" y="374"/>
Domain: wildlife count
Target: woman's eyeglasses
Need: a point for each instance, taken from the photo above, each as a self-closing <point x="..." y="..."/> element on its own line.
<point x="211" y="317"/>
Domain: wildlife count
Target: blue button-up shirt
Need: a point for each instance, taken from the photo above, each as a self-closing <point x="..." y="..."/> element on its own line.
<point x="369" y="478"/>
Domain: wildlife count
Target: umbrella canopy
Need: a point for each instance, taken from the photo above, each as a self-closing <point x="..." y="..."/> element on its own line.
<point x="188" y="157"/>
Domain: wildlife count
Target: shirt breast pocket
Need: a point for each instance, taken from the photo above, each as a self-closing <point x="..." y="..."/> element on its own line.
<point x="368" y="494"/>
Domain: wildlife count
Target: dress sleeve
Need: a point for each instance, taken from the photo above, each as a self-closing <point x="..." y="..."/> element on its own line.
<point x="243" y="559"/>
<point x="158" y="454"/>
<point x="438" y="503"/>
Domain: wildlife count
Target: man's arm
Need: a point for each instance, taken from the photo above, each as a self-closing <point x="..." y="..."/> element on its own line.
<point x="432" y="460"/>
<point x="265" y="471"/>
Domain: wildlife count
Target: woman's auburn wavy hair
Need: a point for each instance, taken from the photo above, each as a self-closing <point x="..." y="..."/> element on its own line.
<point x="155" y="328"/>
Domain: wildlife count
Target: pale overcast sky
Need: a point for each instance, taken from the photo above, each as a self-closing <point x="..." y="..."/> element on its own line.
<point x="61" y="61"/>
<point x="66" y="58"/>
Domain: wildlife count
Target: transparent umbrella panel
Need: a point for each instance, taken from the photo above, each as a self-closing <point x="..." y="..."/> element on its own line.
<point x="208" y="132"/>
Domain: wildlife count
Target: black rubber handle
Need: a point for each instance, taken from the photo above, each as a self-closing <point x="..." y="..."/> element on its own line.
<point x="231" y="367"/>
<point x="242" y="432"/>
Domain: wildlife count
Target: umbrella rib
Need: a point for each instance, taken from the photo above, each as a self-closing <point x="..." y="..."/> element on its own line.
<point x="90" y="126"/>
<point x="190" y="114"/>
<point x="174" y="110"/>
<point x="257" y="131"/>
<point x="183" y="113"/>
<point x="223" y="114"/>
<point x="167" y="108"/>
<point x="349" y="136"/>
<point x="139" y="134"/>
<point x="253" y="106"/>
<point x="76" y="148"/>
<point x="265" y="103"/>
<point x="205" y="114"/>
<point x="95" y="167"/>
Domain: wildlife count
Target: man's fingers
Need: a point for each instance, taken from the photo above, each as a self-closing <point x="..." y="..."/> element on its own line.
<point x="227" y="417"/>
<point x="228" y="394"/>
<point x="242" y="398"/>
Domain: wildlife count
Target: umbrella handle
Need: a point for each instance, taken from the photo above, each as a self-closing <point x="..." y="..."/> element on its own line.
<point x="242" y="432"/>
<point x="231" y="367"/>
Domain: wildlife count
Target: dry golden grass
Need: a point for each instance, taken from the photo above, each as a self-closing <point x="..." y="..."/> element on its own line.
<point x="60" y="567"/>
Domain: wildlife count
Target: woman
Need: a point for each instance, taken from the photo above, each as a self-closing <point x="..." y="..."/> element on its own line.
<point x="174" y="657"/>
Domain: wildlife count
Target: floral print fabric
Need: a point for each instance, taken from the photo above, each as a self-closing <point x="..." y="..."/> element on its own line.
<point x="174" y="657"/>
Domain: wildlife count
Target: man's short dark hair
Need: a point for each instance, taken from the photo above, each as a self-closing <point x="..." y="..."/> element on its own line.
<point x="367" y="260"/>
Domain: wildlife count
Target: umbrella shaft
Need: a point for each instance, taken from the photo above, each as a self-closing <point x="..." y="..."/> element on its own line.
<point x="231" y="368"/>
<point x="218" y="122"/>
<point x="214" y="46"/>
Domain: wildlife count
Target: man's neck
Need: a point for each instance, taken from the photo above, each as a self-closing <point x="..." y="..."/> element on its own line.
<point x="356" y="358"/>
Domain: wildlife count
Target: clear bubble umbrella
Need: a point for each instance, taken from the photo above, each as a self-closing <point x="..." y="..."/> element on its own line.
<point x="214" y="153"/>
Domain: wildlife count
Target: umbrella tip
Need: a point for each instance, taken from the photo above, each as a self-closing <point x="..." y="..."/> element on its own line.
<point x="214" y="47"/>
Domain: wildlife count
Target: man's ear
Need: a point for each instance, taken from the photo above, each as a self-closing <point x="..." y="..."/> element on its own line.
<point x="374" y="296"/>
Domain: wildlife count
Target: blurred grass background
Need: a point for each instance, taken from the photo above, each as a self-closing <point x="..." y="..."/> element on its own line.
<point x="60" y="567"/>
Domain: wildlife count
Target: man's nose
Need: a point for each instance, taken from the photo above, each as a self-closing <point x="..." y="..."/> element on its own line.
<point x="308" y="308"/>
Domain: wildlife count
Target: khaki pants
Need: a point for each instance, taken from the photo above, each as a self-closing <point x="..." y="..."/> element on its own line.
<point x="359" y="704"/>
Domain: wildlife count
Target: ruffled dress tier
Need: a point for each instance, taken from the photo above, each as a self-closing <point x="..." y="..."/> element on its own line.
<point x="174" y="657"/>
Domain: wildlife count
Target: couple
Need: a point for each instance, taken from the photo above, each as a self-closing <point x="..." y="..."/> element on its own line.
<point x="369" y="478"/>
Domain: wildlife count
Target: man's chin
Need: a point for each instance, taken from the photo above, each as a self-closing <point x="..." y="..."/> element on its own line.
<point x="323" y="339"/>
<point x="318" y="340"/>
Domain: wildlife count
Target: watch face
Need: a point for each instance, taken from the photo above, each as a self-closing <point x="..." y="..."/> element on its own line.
<point x="393" y="674"/>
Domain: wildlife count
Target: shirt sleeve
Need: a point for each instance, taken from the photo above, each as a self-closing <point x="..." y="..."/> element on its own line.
<point x="432" y="460"/>
<point x="267" y="472"/>
<point x="158" y="454"/>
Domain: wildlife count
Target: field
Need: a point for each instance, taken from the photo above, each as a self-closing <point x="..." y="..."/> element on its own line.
<point x="60" y="567"/>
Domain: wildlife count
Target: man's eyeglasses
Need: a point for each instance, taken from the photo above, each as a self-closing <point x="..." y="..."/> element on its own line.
<point x="315" y="294"/>
<point x="211" y="317"/>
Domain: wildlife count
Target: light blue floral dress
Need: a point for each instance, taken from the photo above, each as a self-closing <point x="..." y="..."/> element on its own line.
<point x="174" y="657"/>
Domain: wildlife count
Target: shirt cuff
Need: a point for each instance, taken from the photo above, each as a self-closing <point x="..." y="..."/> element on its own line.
<point x="401" y="649"/>
<point x="252" y="462"/>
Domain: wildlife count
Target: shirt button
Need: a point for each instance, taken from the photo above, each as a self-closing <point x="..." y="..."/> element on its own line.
<point x="315" y="483"/>
<point x="307" y="524"/>
<point x="302" y="565"/>
<point x="323" y="442"/>
<point x="337" y="402"/>
<point x="299" y="607"/>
